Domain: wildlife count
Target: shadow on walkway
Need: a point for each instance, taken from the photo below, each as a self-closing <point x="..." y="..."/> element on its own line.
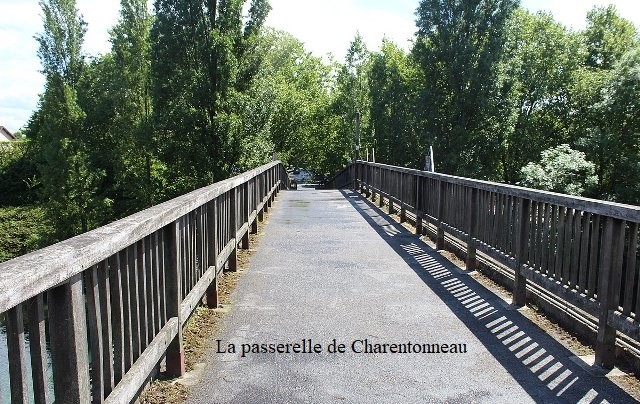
<point x="540" y="364"/>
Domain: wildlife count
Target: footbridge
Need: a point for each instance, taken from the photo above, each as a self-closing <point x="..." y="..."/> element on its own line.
<point x="342" y="302"/>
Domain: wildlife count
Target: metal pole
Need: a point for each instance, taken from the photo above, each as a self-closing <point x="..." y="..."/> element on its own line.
<point x="431" y="160"/>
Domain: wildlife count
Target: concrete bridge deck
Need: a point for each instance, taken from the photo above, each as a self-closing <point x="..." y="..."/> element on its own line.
<point x="335" y="267"/>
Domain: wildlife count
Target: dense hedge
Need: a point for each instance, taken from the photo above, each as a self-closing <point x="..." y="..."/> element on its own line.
<point x="18" y="174"/>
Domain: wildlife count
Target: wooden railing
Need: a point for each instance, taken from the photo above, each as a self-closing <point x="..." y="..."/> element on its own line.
<point x="113" y="301"/>
<point x="583" y="251"/>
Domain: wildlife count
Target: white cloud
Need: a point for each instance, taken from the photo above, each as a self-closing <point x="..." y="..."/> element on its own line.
<point x="100" y="16"/>
<point x="330" y="25"/>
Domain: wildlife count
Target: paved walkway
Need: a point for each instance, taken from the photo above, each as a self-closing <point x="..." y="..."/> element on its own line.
<point x="334" y="267"/>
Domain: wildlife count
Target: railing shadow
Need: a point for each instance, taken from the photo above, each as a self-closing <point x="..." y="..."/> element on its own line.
<point x="544" y="368"/>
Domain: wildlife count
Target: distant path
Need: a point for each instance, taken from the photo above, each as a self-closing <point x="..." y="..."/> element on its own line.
<point x="332" y="265"/>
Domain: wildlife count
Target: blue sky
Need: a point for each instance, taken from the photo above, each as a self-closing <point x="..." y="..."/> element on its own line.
<point x="325" y="26"/>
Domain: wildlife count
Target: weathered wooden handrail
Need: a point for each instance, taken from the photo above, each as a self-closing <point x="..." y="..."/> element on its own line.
<point x="115" y="299"/>
<point x="583" y="251"/>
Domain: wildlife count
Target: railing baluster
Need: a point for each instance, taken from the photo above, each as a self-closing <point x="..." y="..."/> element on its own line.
<point x="17" y="356"/>
<point x="38" y="349"/>
<point x="594" y="258"/>
<point x="608" y="289"/>
<point x="233" y="225"/>
<point x="107" y="332"/>
<point x="117" y="315"/>
<point x="173" y="278"/>
<point x="95" y="334"/>
<point x="134" y="302"/>
<point x="554" y="241"/>
<point x="148" y="272"/>
<point x="212" y="290"/>
<point x="568" y="237"/>
<point x="522" y="251"/>
<point x="442" y="201"/>
<point x="630" y="269"/>
<point x="159" y="321"/>
<point x="472" y="227"/>
<point x="142" y="292"/>
<point x="246" y="208"/>
<point x="575" y="250"/>
<point x="584" y="253"/>
<point x="68" y="342"/>
<point x="547" y="240"/>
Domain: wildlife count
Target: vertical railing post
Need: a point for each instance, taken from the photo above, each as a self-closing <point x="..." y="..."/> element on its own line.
<point x="472" y="226"/>
<point x="254" y="225"/>
<point x="68" y="337"/>
<point x="247" y="211"/>
<point x="17" y="355"/>
<point x="173" y="301"/>
<point x="381" y="187"/>
<point x="355" y="176"/>
<point x="609" y="289"/>
<point x="369" y="180"/>
<point x="212" y="290"/>
<point x="233" y="222"/>
<point x="38" y="345"/>
<point x="441" y="205"/>
<point x="374" y="183"/>
<point x="393" y="181"/>
<point x="270" y="186"/>
<point x="522" y="252"/>
<point x="403" y="210"/>
<point x="265" y="196"/>
<point x="259" y="197"/>
<point x="418" y="205"/>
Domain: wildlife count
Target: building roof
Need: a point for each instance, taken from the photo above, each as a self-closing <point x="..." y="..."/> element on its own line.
<point x="7" y="133"/>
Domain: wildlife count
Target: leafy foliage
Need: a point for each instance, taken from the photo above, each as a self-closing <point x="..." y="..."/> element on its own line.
<point x="534" y="78"/>
<point x="560" y="169"/>
<point x="394" y="82"/>
<point x="458" y="47"/>
<point x="23" y="229"/>
<point x="18" y="174"/>
<point x="197" y="91"/>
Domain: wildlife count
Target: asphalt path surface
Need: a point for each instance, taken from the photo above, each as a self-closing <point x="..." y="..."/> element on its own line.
<point x="340" y="304"/>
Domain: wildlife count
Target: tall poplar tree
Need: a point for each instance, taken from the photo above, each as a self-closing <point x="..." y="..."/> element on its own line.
<point x="195" y="102"/>
<point x="393" y="80"/>
<point x="458" y="46"/>
<point x="138" y="171"/>
<point x="69" y="178"/>
<point x="352" y="98"/>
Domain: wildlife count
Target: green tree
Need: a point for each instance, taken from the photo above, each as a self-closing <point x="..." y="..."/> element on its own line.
<point x="351" y="96"/>
<point x="561" y="169"/>
<point x="605" y="40"/>
<point x="138" y="173"/>
<point x="196" y="100"/>
<point x="539" y="66"/>
<point x="70" y="181"/>
<point x="458" y="47"/>
<point x="621" y="107"/>
<point x="302" y="126"/>
<point x="607" y="37"/>
<point x="393" y="84"/>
